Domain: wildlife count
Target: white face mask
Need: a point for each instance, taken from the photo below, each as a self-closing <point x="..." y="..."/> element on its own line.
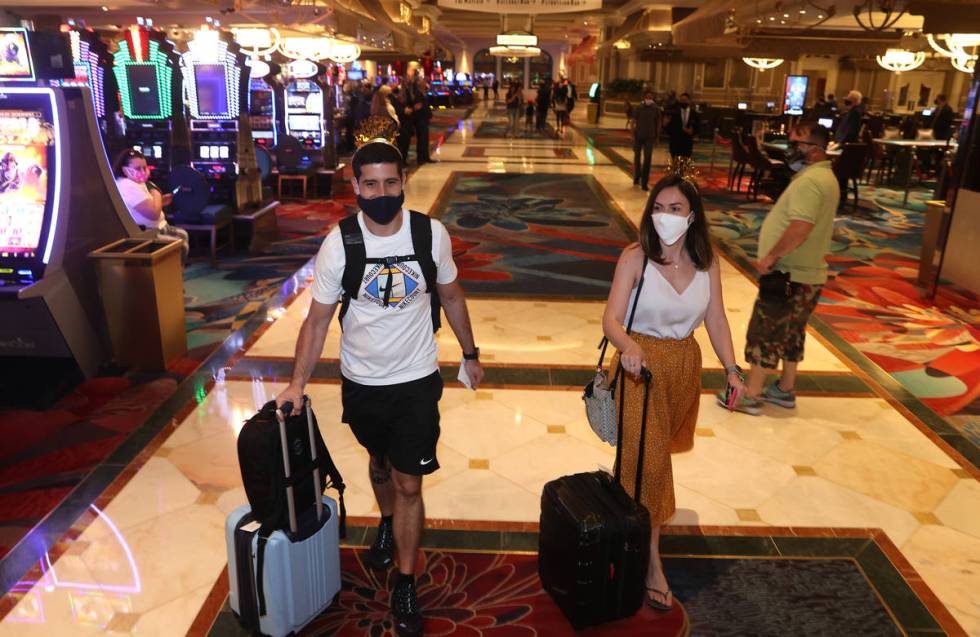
<point x="648" y="102"/>
<point x="670" y="228"/>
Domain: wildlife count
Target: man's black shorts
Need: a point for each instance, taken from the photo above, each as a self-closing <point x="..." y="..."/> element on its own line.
<point x="398" y="421"/>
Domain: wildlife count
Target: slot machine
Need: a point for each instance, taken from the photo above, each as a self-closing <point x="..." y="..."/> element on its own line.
<point x="146" y="70"/>
<point x="93" y="69"/>
<point x="215" y="90"/>
<point x="304" y="106"/>
<point x="58" y="202"/>
<point x="265" y="103"/>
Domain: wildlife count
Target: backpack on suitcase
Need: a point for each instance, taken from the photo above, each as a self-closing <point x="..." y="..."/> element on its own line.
<point x="284" y="546"/>
<point x="594" y="541"/>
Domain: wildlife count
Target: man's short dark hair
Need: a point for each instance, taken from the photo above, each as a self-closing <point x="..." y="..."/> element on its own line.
<point x="815" y="133"/>
<point x="941" y="97"/>
<point x="687" y="95"/>
<point x="377" y="153"/>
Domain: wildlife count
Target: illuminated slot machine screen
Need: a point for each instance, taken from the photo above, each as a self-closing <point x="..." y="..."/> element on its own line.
<point x="15" y="59"/>
<point x="212" y="91"/>
<point x="304" y="122"/>
<point x="261" y="97"/>
<point x="144" y="89"/>
<point x="794" y="95"/>
<point x="27" y="157"/>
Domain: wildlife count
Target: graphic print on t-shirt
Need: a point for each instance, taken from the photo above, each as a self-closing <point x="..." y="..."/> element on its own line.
<point x="404" y="281"/>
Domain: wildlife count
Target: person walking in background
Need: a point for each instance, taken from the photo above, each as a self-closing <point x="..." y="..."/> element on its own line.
<point x="496" y="89"/>
<point x="850" y="123"/>
<point x="572" y="98"/>
<point x="673" y="280"/>
<point x="560" y="106"/>
<point x="682" y="126"/>
<point x="422" y="115"/>
<point x="793" y="244"/>
<point x="942" y="119"/>
<point x="543" y="103"/>
<point x="529" y="118"/>
<point x="646" y="129"/>
<point x="403" y="97"/>
<point x="485" y="85"/>
<point x="513" y="109"/>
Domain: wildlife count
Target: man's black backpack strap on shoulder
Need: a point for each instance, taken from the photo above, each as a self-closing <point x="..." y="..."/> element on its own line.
<point x="355" y="259"/>
<point x="422" y="244"/>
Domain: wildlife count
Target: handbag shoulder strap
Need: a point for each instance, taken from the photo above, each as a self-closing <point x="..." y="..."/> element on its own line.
<point x="629" y="323"/>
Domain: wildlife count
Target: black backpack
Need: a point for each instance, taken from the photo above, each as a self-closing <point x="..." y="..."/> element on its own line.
<point x="260" y="458"/>
<point x="356" y="258"/>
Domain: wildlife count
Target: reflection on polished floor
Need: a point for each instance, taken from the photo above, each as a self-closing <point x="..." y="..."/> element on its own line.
<point x="146" y="556"/>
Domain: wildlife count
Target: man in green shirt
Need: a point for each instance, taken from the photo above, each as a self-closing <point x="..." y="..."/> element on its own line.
<point x="793" y="243"/>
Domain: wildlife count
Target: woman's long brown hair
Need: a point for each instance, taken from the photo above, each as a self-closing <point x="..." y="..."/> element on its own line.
<point x="697" y="242"/>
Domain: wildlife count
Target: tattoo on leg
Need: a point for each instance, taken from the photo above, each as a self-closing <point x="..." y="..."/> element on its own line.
<point x="379" y="475"/>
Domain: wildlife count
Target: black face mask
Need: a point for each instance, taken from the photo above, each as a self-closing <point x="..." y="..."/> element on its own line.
<point x="382" y="210"/>
<point x="795" y="157"/>
<point x="847" y="102"/>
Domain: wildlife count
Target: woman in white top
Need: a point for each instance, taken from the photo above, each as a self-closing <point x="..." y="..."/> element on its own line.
<point x="143" y="197"/>
<point x="681" y="289"/>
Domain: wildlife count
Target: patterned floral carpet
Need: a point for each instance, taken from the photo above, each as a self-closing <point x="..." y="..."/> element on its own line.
<point x="532" y="236"/>
<point x="482" y="594"/>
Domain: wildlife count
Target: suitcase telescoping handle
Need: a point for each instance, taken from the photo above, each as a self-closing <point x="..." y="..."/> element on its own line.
<point x="284" y="410"/>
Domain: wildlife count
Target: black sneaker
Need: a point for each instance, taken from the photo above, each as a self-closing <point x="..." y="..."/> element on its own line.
<point x="381" y="555"/>
<point x="405" y="608"/>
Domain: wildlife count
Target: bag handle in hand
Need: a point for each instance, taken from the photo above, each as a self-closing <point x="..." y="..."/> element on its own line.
<point x="604" y="343"/>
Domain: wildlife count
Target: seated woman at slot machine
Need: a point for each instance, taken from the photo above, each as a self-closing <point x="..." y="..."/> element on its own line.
<point x="144" y="199"/>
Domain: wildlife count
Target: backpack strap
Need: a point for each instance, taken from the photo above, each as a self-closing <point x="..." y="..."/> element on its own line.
<point x="422" y="244"/>
<point x="263" y="537"/>
<point x="355" y="257"/>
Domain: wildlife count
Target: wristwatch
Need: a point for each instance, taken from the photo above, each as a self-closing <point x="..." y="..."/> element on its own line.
<point x="475" y="356"/>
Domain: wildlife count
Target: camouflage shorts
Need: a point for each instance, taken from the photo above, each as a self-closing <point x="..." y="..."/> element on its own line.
<point x="777" y="330"/>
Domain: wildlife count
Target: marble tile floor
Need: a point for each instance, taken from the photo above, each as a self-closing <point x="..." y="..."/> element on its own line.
<point x="144" y="564"/>
<point x="544" y="333"/>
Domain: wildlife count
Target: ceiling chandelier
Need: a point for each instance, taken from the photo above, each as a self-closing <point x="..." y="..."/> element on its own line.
<point x="899" y="60"/>
<point x="966" y="64"/>
<point x="319" y="48"/>
<point x="890" y="9"/>
<point x="257" y="41"/>
<point x="956" y="43"/>
<point x="763" y="63"/>
<point x="515" y="51"/>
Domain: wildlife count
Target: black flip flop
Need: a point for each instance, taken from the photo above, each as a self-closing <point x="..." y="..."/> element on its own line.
<point x="654" y="604"/>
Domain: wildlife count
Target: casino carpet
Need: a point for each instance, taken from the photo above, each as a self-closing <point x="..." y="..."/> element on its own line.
<point x="532" y="236"/>
<point x="724" y="586"/>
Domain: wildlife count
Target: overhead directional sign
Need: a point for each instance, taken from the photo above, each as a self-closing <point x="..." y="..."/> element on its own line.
<point x="522" y="6"/>
<point x="517" y="39"/>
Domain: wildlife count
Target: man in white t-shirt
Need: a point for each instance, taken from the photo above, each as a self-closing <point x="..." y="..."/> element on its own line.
<point x="389" y="361"/>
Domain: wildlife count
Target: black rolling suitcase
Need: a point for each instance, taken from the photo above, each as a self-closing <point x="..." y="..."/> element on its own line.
<point x="594" y="543"/>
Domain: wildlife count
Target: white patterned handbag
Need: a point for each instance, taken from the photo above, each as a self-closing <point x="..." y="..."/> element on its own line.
<point x="600" y="404"/>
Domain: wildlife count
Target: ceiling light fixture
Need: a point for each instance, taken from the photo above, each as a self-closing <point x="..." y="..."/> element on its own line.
<point x="900" y="60"/>
<point x="965" y="64"/>
<point x="763" y="63"/>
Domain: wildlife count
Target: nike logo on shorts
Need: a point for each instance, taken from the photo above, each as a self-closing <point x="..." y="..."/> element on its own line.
<point x="425" y="462"/>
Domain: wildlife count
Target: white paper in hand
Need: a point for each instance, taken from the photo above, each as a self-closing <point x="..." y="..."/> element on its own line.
<point x="463" y="377"/>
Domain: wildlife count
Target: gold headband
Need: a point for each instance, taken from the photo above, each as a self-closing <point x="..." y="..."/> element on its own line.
<point x="377" y="129"/>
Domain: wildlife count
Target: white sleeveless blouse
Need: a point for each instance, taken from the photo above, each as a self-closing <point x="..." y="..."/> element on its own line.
<point x="662" y="312"/>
